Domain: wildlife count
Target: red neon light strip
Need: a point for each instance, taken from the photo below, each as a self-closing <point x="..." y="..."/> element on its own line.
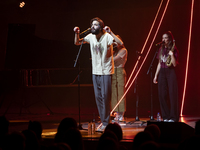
<point x="188" y="57"/>
<point x="144" y="43"/>
<point x="143" y="59"/>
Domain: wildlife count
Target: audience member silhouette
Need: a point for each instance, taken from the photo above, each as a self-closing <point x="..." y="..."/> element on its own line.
<point x="190" y="143"/>
<point x="154" y="130"/>
<point x="59" y="146"/>
<point x="197" y="128"/>
<point x="4" y="125"/>
<point x="15" y="141"/>
<point x="116" y="128"/>
<point x="108" y="143"/>
<point x="36" y="127"/>
<point x="110" y="134"/>
<point x="74" y="139"/>
<point x="64" y="125"/>
<point x="31" y="141"/>
<point x="141" y="138"/>
<point x="149" y="145"/>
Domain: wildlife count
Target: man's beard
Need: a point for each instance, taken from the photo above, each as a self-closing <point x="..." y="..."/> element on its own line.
<point x="95" y="31"/>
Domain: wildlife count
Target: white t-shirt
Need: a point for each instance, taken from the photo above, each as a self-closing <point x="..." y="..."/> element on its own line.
<point x="102" y="53"/>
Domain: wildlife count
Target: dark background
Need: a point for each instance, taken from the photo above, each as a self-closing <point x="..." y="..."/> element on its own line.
<point x="40" y="36"/>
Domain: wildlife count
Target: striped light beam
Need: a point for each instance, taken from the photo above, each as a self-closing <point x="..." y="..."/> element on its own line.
<point x="188" y="57"/>
<point x="144" y="43"/>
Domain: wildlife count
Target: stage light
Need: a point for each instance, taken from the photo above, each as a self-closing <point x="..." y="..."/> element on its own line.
<point x="188" y="57"/>
<point x="22" y="4"/>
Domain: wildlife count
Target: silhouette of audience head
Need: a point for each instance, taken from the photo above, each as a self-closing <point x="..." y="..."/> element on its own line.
<point x="36" y="127"/>
<point x="16" y="140"/>
<point x="154" y="130"/>
<point x="4" y="124"/>
<point x="59" y="146"/>
<point x="31" y="141"/>
<point x="190" y="143"/>
<point x="74" y="139"/>
<point x="197" y="128"/>
<point x="108" y="143"/>
<point x="115" y="128"/>
<point x="141" y="138"/>
<point x="64" y="126"/>
<point x="149" y="145"/>
<point x="110" y="134"/>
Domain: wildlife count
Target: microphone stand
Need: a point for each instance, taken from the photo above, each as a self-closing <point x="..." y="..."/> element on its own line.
<point x="151" y="85"/>
<point x="137" y="95"/>
<point x="79" y="99"/>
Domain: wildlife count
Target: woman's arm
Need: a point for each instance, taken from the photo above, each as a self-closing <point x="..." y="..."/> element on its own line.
<point x="157" y="72"/>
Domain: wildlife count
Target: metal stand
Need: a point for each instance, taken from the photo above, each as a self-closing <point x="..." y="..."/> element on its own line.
<point x="79" y="99"/>
<point x="151" y="83"/>
<point x="137" y="96"/>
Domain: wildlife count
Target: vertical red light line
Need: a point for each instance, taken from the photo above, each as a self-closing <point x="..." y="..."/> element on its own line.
<point x="188" y="57"/>
<point x="143" y="59"/>
<point x="145" y="43"/>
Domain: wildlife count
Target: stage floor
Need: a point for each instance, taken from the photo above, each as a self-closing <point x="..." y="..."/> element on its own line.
<point x="50" y="123"/>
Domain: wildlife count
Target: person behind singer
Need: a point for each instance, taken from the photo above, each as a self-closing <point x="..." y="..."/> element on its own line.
<point x="101" y="41"/>
<point x="167" y="81"/>
<point x="119" y="80"/>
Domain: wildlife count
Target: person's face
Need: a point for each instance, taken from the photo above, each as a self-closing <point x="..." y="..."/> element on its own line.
<point x="165" y="39"/>
<point x="95" y="27"/>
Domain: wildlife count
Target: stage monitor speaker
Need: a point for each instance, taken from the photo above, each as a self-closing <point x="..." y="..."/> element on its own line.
<point x="173" y="132"/>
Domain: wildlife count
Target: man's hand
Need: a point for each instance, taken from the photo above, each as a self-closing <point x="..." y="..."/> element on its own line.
<point x="107" y="29"/>
<point x="76" y="30"/>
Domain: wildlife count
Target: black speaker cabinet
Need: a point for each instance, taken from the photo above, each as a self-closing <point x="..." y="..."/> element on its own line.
<point x="173" y="132"/>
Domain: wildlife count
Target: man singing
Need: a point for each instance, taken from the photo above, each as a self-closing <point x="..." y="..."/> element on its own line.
<point x="101" y="41"/>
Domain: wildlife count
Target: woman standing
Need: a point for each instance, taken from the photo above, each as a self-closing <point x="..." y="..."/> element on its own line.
<point x="166" y="77"/>
<point x="119" y="80"/>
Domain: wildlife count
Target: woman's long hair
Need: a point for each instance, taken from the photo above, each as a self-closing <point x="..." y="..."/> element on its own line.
<point x="170" y="44"/>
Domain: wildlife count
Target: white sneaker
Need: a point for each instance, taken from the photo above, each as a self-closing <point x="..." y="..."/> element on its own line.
<point x="121" y="118"/>
<point x="166" y="120"/>
<point x="102" y="128"/>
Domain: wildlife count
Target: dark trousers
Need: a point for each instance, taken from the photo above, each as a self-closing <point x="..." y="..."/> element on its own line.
<point x="167" y="83"/>
<point x="102" y="91"/>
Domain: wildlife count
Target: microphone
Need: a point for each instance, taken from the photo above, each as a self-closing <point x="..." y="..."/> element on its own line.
<point x="86" y="31"/>
<point x="158" y="44"/>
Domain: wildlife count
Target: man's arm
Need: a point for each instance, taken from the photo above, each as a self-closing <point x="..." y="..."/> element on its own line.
<point x="107" y="29"/>
<point x="77" y="40"/>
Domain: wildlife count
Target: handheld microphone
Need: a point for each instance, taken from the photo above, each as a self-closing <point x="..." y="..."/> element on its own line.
<point x="158" y="44"/>
<point x="86" y="31"/>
